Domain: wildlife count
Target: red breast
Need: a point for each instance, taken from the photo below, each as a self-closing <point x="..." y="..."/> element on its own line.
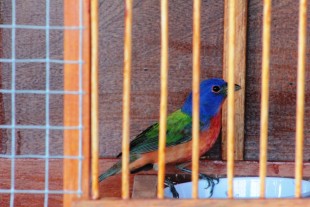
<point x="183" y="152"/>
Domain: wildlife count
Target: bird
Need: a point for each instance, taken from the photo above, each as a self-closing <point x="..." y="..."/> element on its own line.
<point x="144" y="147"/>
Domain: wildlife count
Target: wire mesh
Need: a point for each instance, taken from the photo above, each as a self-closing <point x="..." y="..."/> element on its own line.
<point x="48" y="93"/>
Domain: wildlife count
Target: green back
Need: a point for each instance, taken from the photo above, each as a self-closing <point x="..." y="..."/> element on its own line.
<point x="179" y="130"/>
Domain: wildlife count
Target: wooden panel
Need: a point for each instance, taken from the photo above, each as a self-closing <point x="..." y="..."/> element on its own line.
<point x="240" y="75"/>
<point x="30" y="175"/>
<point x="146" y="65"/>
<point x="194" y="202"/>
<point x="111" y="186"/>
<point x="145" y="94"/>
<point x="144" y="186"/>
<point x="283" y="82"/>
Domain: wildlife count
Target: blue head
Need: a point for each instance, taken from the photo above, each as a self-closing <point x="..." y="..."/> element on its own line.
<point x="213" y="93"/>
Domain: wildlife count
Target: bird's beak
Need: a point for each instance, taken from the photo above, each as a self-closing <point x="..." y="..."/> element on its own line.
<point x="237" y="87"/>
<point x="224" y="90"/>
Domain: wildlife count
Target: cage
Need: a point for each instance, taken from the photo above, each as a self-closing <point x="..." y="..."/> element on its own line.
<point x="71" y="99"/>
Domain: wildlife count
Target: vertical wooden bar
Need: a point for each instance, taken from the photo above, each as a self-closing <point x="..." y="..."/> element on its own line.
<point x="94" y="100"/>
<point x="230" y="101"/>
<point x="300" y="106"/>
<point x="265" y="96"/>
<point x="71" y="102"/>
<point x="126" y="99"/>
<point x="196" y="83"/>
<point x="240" y="71"/>
<point x="163" y="98"/>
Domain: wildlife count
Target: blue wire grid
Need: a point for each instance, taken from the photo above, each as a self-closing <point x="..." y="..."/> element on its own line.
<point x="47" y="92"/>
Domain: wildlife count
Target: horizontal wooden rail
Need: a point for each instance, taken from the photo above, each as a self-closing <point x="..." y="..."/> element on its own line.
<point x="30" y="170"/>
<point x="196" y="203"/>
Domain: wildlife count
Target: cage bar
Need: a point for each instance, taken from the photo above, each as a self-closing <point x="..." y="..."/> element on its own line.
<point x="163" y="98"/>
<point x="300" y="105"/>
<point x="230" y="97"/>
<point x="94" y="100"/>
<point x="126" y="99"/>
<point x="265" y="96"/>
<point x="196" y="80"/>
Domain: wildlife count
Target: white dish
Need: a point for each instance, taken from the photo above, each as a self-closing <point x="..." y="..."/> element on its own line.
<point x="244" y="187"/>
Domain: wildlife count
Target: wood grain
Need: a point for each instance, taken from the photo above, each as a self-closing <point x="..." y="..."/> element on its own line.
<point x="145" y="96"/>
<point x="196" y="203"/>
<point x="72" y="106"/>
<point x="196" y="96"/>
<point x="164" y="66"/>
<point x="126" y="98"/>
<point x="240" y="77"/>
<point x="94" y="25"/>
<point x="144" y="186"/>
<point x="300" y="105"/>
<point x="30" y="175"/>
<point x="283" y="82"/>
<point x="146" y="78"/>
<point x="86" y="104"/>
<point x="265" y="96"/>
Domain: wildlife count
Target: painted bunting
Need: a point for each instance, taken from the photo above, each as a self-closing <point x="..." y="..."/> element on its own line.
<point x="144" y="148"/>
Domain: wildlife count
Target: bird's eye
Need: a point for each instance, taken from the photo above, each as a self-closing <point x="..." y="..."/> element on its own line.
<point x="216" y="89"/>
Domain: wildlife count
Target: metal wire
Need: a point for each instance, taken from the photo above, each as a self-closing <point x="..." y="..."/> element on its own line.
<point x="38" y="60"/>
<point x="13" y="103"/>
<point x="47" y="100"/>
<point x="37" y="27"/>
<point x="81" y="20"/>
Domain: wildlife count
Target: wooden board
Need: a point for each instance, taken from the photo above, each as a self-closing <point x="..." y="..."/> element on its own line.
<point x="240" y="77"/>
<point x="30" y="175"/>
<point x="194" y="202"/>
<point x="144" y="186"/>
<point x="283" y="77"/>
<point x="73" y="108"/>
<point x="145" y="85"/>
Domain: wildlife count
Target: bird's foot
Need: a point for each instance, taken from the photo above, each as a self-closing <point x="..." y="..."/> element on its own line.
<point x="211" y="182"/>
<point x="170" y="184"/>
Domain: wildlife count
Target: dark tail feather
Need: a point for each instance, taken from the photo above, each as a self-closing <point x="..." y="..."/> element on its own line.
<point x="116" y="168"/>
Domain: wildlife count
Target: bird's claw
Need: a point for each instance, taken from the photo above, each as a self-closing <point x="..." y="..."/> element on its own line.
<point x="211" y="182"/>
<point x="171" y="186"/>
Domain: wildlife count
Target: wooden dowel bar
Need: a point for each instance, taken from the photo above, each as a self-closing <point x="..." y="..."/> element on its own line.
<point x="94" y="100"/>
<point x="264" y="96"/>
<point x="196" y="83"/>
<point x="163" y="98"/>
<point x="126" y="99"/>
<point x="230" y="101"/>
<point x="300" y="105"/>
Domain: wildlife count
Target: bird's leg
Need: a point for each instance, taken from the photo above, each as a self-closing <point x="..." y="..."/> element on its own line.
<point x="170" y="184"/>
<point x="211" y="180"/>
